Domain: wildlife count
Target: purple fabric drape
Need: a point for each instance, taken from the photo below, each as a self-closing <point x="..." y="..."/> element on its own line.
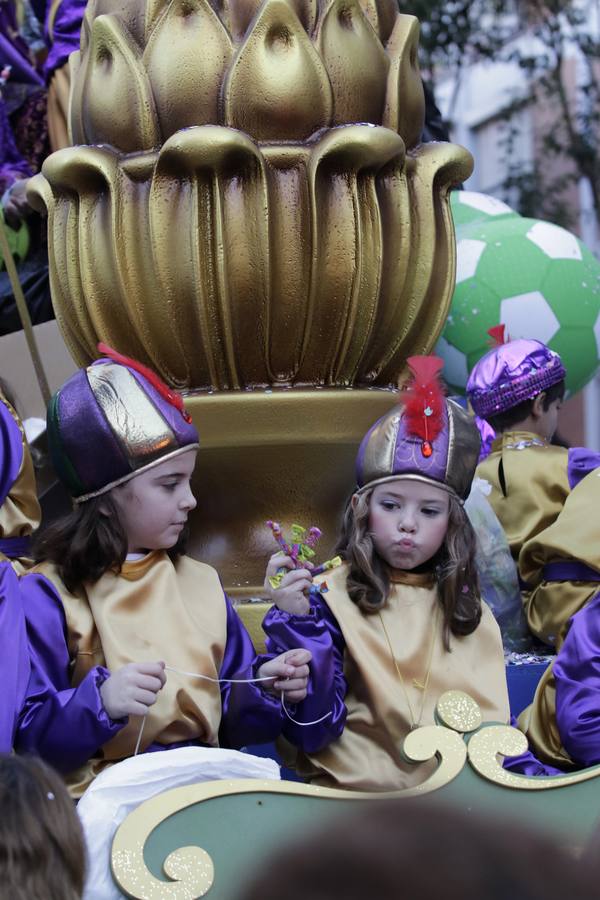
<point x="14" y="656"/>
<point x="63" y="36"/>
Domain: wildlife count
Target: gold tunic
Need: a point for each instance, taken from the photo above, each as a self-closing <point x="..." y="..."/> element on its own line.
<point x="536" y="481"/>
<point x="153" y="611"/>
<point x="543" y="523"/>
<point x="368" y="754"/>
<point x="20" y="513"/>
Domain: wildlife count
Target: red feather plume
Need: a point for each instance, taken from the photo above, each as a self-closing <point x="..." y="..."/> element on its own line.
<point x="173" y="397"/>
<point x="498" y="335"/>
<point x="424" y="399"/>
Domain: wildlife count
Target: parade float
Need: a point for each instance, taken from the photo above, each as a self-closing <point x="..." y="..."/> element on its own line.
<point x="247" y="208"/>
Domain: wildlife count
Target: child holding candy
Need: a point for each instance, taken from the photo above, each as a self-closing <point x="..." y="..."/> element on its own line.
<point x="401" y="621"/>
<point x="115" y="582"/>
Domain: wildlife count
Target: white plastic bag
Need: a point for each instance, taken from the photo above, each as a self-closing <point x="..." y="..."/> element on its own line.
<point x="497" y="570"/>
<point x="122" y="787"/>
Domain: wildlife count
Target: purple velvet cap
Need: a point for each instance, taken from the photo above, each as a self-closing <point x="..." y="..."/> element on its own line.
<point x="109" y="422"/>
<point x="512" y="373"/>
<point x="389" y="452"/>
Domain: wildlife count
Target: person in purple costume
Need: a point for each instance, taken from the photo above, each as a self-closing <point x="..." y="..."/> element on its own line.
<point x="14" y="655"/>
<point x="115" y="599"/>
<point x="542" y="494"/>
<point x="20" y="512"/>
<point x="401" y="621"/>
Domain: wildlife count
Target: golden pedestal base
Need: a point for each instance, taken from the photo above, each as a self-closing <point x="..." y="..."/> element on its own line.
<point x="283" y="455"/>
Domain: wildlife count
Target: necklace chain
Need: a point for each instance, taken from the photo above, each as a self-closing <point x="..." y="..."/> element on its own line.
<point x="420" y="685"/>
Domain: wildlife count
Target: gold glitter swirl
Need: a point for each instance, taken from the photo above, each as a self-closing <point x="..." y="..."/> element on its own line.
<point x="458" y="711"/>
<point x="486" y="745"/>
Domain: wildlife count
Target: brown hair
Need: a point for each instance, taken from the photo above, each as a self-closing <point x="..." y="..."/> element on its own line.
<point x="507" y="420"/>
<point x="454" y="566"/>
<point x="88" y="541"/>
<point x="418" y="849"/>
<point x="42" y="850"/>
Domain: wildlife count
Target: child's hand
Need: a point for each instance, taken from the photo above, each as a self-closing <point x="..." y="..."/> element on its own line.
<point x="291" y="595"/>
<point x="290" y="672"/>
<point x="132" y="689"/>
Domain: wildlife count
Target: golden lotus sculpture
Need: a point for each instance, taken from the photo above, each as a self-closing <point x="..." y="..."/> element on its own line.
<point x="236" y="227"/>
<point x="248" y="206"/>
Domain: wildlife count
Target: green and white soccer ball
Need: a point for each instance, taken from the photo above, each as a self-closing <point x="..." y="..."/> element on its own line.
<point x="471" y="206"/>
<point x="534" y="277"/>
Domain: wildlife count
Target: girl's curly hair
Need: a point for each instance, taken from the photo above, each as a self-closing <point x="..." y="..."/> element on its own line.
<point x="454" y="566"/>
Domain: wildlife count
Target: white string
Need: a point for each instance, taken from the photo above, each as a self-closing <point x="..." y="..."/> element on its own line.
<point x="231" y="681"/>
<point x="139" y="738"/>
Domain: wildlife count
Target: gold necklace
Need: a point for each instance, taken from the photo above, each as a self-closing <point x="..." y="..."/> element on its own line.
<point x="420" y="685"/>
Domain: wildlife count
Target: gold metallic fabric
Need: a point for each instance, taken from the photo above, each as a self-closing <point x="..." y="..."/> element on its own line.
<point x="368" y="755"/>
<point x="248" y="203"/>
<point x="538" y="722"/>
<point x="536" y="482"/>
<point x="58" y="108"/>
<point x="154" y="610"/>
<point x="20" y="514"/>
<point x="551" y="604"/>
<point x="143" y="434"/>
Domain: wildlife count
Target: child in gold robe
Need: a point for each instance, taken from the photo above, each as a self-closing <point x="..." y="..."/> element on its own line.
<point x="114" y="599"/>
<point x="401" y="621"/>
<point x="518" y="388"/>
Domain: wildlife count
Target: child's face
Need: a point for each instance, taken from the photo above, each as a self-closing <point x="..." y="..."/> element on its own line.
<point x="154" y="505"/>
<point x="408" y="521"/>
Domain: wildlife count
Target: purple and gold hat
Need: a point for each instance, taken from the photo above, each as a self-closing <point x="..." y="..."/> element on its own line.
<point x="111" y="421"/>
<point x="428" y="438"/>
<point x="511" y="373"/>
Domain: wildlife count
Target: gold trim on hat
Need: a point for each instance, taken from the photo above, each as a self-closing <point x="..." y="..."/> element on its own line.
<point x="140" y="429"/>
<point x="119" y="481"/>
<point x="410" y="476"/>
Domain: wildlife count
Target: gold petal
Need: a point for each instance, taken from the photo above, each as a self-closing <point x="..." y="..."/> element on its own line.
<point x="432" y="170"/>
<point x="118" y="109"/>
<point x="214" y="273"/>
<point x="186" y="85"/>
<point x="87" y="181"/>
<point x="382" y="15"/>
<point x="405" y="102"/>
<point x="291" y="259"/>
<point x="237" y="15"/>
<point x="277" y="88"/>
<point x="74" y="121"/>
<point x="355" y="61"/>
<point x="346" y="235"/>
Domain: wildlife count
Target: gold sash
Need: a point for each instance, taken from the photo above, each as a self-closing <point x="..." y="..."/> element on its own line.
<point x="368" y="756"/>
<point x="20" y="513"/>
<point x="154" y="610"/>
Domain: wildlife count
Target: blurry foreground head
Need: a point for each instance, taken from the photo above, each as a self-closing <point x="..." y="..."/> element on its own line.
<point x="42" y="851"/>
<point x="417" y="850"/>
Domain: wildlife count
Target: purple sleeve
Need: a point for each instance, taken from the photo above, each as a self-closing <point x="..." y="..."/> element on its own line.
<point x="64" y="725"/>
<point x="527" y="763"/>
<point x="64" y="34"/>
<point x="250" y="714"/>
<point x="14" y="655"/>
<point x="581" y="462"/>
<point x="320" y="633"/>
<point x="577" y="677"/>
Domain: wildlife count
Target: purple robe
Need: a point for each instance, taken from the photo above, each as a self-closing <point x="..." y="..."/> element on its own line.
<point x="14" y="656"/>
<point x="63" y="34"/>
<point x="68" y="725"/>
<point x="320" y="633"/>
<point x="14" y="51"/>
